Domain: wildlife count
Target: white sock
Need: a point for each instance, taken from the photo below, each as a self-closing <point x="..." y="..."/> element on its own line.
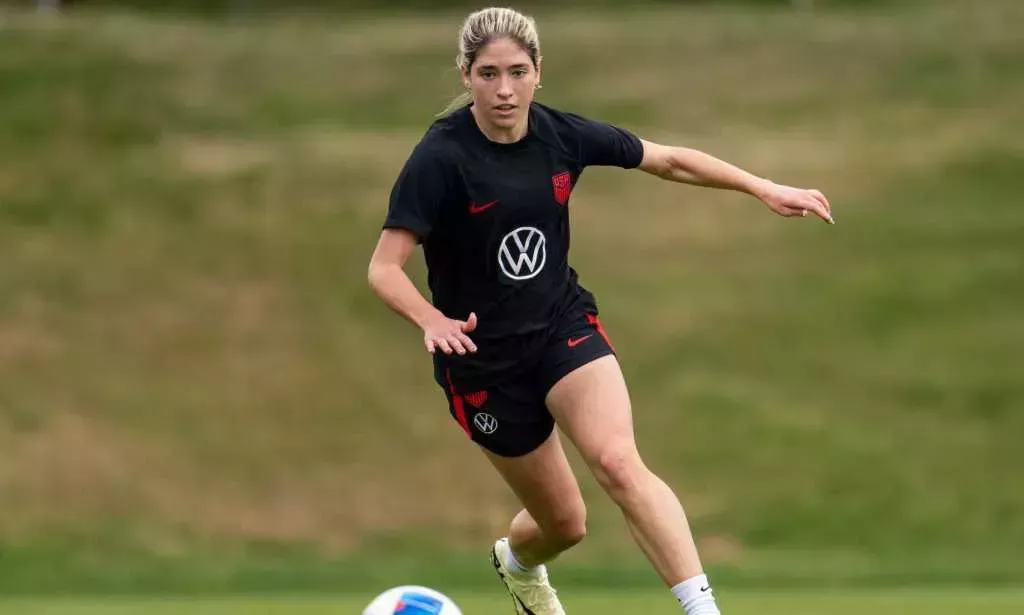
<point x="696" y="596"/>
<point x="513" y="563"/>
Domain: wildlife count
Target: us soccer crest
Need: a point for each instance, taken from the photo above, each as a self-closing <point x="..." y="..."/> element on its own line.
<point x="563" y="187"/>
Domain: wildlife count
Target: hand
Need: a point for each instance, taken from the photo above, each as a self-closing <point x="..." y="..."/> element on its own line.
<point x="788" y="201"/>
<point x="449" y="335"/>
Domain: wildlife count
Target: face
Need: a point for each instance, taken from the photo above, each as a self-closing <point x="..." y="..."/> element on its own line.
<point x="503" y="80"/>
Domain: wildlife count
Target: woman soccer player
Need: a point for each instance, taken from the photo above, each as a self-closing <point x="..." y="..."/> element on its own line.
<point x="517" y="342"/>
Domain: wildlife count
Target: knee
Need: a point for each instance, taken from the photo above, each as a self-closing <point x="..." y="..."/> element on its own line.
<point x="620" y="472"/>
<point x="568" y="529"/>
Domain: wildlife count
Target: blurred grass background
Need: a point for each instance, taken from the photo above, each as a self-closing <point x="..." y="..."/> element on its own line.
<point x="905" y="602"/>
<point x="198" y="392"/>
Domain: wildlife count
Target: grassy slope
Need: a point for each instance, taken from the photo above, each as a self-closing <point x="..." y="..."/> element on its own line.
<point x="190" y="363"/>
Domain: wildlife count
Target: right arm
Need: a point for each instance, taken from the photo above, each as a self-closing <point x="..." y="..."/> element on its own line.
<point x="413" y="210"/>
<point x="389" y="281"/>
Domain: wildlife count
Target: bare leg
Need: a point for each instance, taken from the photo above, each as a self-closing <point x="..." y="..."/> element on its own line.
<point x="554" y="517"/>
<point x="592" y="406"/>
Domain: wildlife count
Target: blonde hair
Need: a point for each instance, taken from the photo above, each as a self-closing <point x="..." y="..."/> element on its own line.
<point x="482" y="27"/>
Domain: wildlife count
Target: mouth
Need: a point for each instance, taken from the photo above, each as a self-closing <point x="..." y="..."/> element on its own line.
<point x="506" y="108"/>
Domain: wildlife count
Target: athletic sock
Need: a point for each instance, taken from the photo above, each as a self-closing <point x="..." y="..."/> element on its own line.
<point x="696" y="596"/>
<point x="513" y="563"/>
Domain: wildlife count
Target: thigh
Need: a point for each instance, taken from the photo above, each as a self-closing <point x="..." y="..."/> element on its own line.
<point x="591" y="405"/>
<point x="543" y="482"/>
<point x="511" y="424"/>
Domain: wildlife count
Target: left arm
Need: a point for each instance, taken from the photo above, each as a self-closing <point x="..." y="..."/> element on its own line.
<point x="690" y="166"/>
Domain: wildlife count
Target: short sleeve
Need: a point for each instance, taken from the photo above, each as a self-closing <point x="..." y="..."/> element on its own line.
<point x="606" y="145"/>
<point x="416" y="197"/>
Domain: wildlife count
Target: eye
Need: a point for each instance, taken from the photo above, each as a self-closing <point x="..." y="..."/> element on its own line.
<point x="487" y="74"/>
<point x="519" y="73"/>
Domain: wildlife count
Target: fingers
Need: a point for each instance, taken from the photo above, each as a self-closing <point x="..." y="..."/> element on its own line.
<point x="817" y="207"/>
<point x="444" y="345"/>
<point x="453" y="339"/>
<point x="827" y="207"/>
<point x="820" y="211"/>
<point x="821" y="198"/>
<point x="466" y="342"/>
<point x="795" y="202"/>
<point x="458" y="343"/>
<point x="802" y="209"/>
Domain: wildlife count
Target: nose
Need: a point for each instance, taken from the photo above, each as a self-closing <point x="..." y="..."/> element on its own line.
<point x="505" y="87"/>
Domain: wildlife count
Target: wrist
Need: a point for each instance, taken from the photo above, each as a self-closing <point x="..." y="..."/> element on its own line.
<point x="761" y="187"/>
<point x="426" y="316"/>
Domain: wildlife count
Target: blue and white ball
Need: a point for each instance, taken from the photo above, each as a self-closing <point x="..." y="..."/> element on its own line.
<point x="412" y="600"/>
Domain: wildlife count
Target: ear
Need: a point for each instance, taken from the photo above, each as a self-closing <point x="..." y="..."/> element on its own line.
<point x="465" y="78"/>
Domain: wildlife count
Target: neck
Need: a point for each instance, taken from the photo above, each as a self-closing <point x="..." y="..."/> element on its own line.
<point x="501" y="134"/>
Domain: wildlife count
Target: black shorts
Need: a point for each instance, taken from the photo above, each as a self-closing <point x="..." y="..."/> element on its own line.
<point x="510" y="418"/>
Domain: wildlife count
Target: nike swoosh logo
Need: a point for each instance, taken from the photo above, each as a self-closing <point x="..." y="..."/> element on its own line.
<point x="475" y="209"/>
<point x="704" y="589"/>
<point x="579" y="340"/>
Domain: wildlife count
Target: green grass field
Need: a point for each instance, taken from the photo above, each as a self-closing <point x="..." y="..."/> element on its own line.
<point x="198" y="392"/>
<point x="938" y="602"/>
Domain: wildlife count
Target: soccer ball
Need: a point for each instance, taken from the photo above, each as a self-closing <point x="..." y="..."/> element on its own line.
<point x="412" y="600"/>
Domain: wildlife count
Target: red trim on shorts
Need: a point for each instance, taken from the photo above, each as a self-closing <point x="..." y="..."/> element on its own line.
<point x="592" y="319"/>
<point x="460" y="408"/>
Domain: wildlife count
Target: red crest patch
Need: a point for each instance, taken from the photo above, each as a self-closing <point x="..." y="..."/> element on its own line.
<point x="478" y="399"/>
<point x="563" y="187"/>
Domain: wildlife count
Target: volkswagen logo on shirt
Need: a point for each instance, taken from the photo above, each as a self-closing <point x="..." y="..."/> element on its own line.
<point x="486" y="423"/>
<point x="523" y="253"/>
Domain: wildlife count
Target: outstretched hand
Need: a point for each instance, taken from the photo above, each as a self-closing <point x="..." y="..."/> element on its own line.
<point x="449" y="335"/>
<point x="788" y="201"/>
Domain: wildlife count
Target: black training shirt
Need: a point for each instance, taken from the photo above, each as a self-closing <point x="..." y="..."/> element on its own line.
<point x="494" y="223"/>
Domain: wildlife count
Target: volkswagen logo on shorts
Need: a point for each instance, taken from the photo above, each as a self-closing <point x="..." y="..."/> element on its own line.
<point x="486" y="423"/>
<point x="523" y="253"/>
